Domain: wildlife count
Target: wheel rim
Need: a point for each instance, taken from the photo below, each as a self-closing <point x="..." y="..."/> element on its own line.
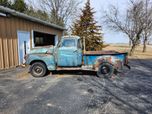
<point x="38" y="70"/>
<point x="105" y="69"/>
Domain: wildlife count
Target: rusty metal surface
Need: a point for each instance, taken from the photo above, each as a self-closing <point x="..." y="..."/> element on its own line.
<point x="116" y="60"/>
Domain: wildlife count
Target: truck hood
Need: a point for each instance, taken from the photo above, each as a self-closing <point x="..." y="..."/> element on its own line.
<point x="42" y="50"/>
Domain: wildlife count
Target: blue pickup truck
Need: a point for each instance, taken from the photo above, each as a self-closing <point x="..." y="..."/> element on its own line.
<point x="69" y="55"/>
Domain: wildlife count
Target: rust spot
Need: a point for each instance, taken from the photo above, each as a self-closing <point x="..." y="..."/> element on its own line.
<point x="118" y="64"/>
<point x="100" y="61"/>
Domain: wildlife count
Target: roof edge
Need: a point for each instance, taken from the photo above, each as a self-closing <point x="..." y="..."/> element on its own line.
<point x="30" y="18"/>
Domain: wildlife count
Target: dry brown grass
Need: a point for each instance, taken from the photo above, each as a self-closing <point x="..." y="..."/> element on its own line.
<point x="138" y="52"/>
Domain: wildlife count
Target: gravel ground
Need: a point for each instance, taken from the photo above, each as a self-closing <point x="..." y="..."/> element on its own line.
<point x="76" y="92"/>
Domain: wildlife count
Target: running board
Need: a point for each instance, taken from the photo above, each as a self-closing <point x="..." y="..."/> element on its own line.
<point x="69" y="68"/>
<point x="76" y="68"/>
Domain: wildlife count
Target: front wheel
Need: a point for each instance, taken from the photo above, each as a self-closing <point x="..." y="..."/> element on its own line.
<point x="105" y="70"/>
<point x="38" y="69"/>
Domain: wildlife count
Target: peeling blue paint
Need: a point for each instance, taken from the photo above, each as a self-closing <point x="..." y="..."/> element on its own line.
<point x="42" y="50"/>
<point x="48" y="59"/>
<point x="91" y="59"/>
<point x="69" y="57"/>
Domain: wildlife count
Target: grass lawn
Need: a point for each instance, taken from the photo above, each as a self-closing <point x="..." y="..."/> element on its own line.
<point x="138" y="52"/>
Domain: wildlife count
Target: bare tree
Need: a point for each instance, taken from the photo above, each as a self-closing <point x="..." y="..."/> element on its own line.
<point x="132" y="24"/>
<point x="149" y="41"/>
<point x="148" y="23"/>
<point x="61" y="11"/>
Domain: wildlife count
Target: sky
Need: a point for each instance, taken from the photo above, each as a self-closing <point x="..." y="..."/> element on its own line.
<point x="100" y="6"/>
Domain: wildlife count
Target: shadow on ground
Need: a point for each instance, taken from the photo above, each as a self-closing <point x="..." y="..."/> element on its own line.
<point x="82" y="92"/>
<point x="75" y="72"/>
<point x="129" y="93"/>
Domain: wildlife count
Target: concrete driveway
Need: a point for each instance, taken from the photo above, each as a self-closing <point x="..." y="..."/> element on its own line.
<point x="78" y="92"/>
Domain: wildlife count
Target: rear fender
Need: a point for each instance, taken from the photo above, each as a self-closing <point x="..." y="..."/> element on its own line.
<point x="110" y="59"/>
<point x="126" y="63"/>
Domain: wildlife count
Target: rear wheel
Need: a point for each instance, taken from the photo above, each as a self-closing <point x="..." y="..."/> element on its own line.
<point x="38" y="69"/>
<point x="105" y="70"/>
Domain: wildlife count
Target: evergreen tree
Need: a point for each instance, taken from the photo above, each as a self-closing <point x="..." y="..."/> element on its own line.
<point x="56" y="19"/>
<point x="86" y="27"/>
<point x="42" y="15"/>
<point x="19" y="5"/>
<point x="5" y="3"/>
<point x="37" y="13"/>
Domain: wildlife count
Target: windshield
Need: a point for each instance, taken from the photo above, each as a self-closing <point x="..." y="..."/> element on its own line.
<point x="68" y="43"/>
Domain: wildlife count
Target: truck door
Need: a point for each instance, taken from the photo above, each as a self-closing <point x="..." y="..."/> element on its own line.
<point x="67" y="54"/>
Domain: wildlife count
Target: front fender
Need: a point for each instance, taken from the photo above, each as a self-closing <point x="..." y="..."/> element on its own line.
<point x="48" y="59"/>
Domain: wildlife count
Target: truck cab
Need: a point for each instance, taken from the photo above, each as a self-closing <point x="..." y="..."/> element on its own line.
<point x="67" y="53"/>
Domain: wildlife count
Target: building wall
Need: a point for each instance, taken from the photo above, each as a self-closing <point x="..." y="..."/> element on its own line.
<point x="8" y="38"/>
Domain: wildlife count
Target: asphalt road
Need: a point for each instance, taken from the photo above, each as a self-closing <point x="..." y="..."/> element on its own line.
<point x="76" y="92"/>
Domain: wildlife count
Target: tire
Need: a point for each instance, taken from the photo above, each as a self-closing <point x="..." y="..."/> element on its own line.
<point x="105" y="70"/>
<point x="38" y="69"/>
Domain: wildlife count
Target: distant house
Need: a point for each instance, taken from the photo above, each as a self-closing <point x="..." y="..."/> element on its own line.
<point x="19" y="33"/>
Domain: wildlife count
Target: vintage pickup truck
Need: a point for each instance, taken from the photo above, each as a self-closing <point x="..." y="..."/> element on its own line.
<point x="68" y="55"/>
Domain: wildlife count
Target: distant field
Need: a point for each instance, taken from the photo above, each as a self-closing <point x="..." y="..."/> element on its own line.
<point x="126" y="48"/>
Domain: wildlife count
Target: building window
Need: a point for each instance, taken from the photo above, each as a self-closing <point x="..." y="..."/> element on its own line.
<point x="43" y="39"/>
